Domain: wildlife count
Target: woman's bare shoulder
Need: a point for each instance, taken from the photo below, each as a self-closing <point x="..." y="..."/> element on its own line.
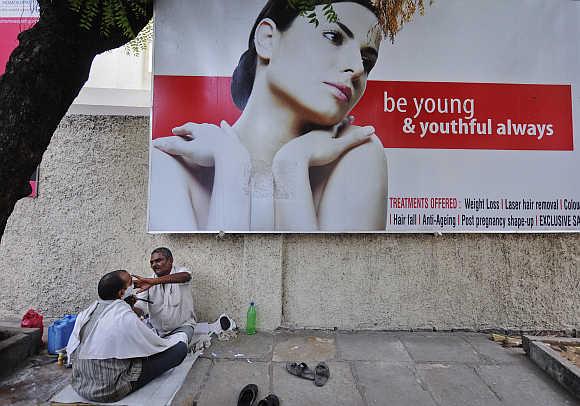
<point x="368" y="159"/>
<point x="361" y="170"/>
<point x="356" y="190"/>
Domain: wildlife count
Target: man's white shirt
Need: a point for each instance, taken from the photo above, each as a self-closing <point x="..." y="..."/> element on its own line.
<point x="172" y="304"/>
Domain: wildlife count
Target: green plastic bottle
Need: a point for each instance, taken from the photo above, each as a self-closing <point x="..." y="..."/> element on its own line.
<point x="251" y="320"/>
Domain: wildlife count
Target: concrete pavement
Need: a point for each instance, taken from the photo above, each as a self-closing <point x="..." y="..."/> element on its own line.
<point x="373" y="368"/>
<point x="367" y="368"/>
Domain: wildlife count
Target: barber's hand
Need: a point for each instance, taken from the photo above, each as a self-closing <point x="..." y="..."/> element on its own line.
<point x="321" y="147"/>
<point x="142" y="284"/>
<point x="202" y="144"/>
<point x="131" y="300"/>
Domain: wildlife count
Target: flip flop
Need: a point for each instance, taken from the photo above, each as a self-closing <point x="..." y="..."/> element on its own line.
<point x="270" y="400"/>
<point x="321" y="374"/>
<point x="300" y="370"/>
<point x="248" y="395"/>
<point x="226" y="322"/>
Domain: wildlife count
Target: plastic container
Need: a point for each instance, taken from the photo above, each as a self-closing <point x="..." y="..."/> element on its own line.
<point x="251" y="320"/>
<point x="59" y="332"/>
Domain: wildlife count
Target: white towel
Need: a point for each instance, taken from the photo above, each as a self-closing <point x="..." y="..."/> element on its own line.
<point x="118" y="333"/>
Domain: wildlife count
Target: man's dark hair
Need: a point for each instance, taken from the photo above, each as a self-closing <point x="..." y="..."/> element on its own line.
<point x="110" y="285"/>
<point x="163" y="251"/>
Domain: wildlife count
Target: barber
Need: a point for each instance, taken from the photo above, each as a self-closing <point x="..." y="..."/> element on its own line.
<point x="167" y="295"/>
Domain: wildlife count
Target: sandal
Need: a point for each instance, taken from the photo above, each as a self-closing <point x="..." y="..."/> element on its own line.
<point x="270" y="400"/>
<point x="300" y="370"/>
<point x="227" y="323"/>
<point x="248" y="395"/>
<point x="321" y="374"/>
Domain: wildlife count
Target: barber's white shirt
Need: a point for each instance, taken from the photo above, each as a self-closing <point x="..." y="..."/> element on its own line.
<point x="172" y="304"/>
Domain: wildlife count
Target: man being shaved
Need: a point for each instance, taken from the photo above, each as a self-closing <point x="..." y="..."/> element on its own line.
<point x="114" y="353"/>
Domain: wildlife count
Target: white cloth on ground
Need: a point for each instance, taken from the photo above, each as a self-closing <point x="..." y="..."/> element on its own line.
<point x="118" y="333"/>
<point x="215" y="327"/>
<point x="159" y="391"/>
<point x="172" y="305"/>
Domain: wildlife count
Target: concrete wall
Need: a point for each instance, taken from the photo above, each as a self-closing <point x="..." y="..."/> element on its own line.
<point x="90" y="219"/>
<point x="119" y="84"/>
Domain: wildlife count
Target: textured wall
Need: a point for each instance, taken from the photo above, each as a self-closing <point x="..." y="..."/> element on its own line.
<point x="473" y="281"/>
<point x="90" y="219"/>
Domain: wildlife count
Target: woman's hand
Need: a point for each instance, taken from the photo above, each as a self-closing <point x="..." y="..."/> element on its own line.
<point x="211" y="146"/>
<point x="293" y="202"/>
<point x="321" y="147"/>
<point x="201" y="144"/>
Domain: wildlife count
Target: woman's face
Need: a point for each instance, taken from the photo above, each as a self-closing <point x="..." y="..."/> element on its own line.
<point x="321" y="71"/>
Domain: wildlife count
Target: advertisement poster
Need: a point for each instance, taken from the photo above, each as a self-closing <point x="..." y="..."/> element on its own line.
<point x="265" y="122"/>
<point x="15" y="17"/>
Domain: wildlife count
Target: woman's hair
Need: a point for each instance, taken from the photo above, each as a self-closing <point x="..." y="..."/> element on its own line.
<point x="283" y="14"/>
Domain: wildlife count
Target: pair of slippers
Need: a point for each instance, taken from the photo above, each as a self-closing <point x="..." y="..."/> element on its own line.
<point x="249" y="395"/>
<point x="320" y="374"/>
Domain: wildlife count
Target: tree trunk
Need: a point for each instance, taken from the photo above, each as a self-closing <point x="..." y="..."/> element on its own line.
<point x="44" y="74"/>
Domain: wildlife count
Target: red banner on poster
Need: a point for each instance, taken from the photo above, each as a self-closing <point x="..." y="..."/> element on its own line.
<point x="406" y="114"/>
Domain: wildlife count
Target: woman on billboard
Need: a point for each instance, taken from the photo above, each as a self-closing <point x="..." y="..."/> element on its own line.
<point x="293" y="161"/>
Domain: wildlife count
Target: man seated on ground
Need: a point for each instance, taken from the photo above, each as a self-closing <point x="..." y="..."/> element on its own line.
<point x="113" y="353"/>
<point x="166" y="296"/>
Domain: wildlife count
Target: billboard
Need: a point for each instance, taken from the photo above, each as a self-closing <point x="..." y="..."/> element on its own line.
<point x="15" y="17"/>
<point x="466" y="123"/>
